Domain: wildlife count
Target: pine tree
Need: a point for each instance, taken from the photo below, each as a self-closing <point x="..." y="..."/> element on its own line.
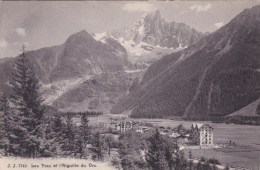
<point x="169" y="156"/>
<point x="207" y="165"/>
<point x="27" y="103"/>
<point x="191" y="137"/>
<point x="180" y="162"/>
<point x="68" y="136"/>
<point x="84" y="132"/>
<point x="96" y="146"/>
<point x="156" y="152"/>
<point x="54" y="130"/>
<point x="57" y="125"/>
<point x="199" y="166"/>
<point x="116" y="162"/>
<point x="53" y="138"/>
<point x="190" y="160"/>
<point x="109" y="140"/>
<point x="5" y="125"/>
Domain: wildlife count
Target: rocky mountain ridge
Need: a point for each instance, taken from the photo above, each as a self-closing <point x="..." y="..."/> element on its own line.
<point x="151" y="37"/>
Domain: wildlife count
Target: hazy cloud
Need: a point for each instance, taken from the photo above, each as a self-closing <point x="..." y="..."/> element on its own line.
<point x="20" y="31"/>
<point x="20" y="44"/>
<point x="138" y="6"/>
<point x="26" y="44"/>
<point x="219" y="24"/>
<point x="3" y="43"/>
<point x="200" y="8"/>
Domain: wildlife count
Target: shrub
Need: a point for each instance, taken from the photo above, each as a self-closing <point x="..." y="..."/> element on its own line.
<point x="214" y="161"/>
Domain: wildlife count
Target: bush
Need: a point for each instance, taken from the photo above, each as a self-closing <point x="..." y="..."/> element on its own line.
<point x="202" y="159"/>
<point x="115" y="162"/>
<point x="214" y="161"/>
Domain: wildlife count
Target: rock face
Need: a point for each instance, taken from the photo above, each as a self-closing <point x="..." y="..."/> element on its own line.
<point x="79" y="56"/>
<point x="214" y="77"/>
<point x="154" y="30"/>
<point x="151" y="37"/>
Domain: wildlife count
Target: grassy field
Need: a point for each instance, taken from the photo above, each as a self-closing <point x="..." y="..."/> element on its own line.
<point x="246" y="159"/>
<point x="245" y="136"/>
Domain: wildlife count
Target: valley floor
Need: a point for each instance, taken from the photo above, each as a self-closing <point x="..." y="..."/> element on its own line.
<point x="245" y="136"/>
<point x="246" y="150"/>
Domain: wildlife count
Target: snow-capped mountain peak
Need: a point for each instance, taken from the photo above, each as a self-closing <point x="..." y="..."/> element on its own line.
<point x="154" y="30"/>
<point x="151" y="37"/>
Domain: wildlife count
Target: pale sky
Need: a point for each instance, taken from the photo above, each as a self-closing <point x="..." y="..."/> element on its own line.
<point x="40" y="24"/>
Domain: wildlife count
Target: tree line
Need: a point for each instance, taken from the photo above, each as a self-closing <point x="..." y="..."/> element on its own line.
<point x="87" y="113"/>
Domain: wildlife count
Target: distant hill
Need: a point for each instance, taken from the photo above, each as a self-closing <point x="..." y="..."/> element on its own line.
<point x="214" y="77"/>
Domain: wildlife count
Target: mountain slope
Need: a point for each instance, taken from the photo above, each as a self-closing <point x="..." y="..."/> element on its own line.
<point x="80" y="55"/>
<point x="214" y="77"/>
<point x="249" y="110"/>
<point x="65" y="68"/>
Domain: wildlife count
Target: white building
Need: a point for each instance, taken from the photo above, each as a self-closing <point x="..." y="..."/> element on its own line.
<point x="202" y="134"/>
<point x="123" y="126"/>
<point x="142" y="129"/>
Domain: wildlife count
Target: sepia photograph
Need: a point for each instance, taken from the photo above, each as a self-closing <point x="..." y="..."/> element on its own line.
<point x="130" y="85"/>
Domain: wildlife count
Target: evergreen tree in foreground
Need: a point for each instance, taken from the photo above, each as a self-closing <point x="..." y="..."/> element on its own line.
<point x="53" y="136"/>
<point x="156" y="152"/>
<point x="28" y="109"/>
<point x="164" y="154"/>
<point x="85" y="133"/>
<point x="98" y="146"/>
<point x="190" y="160"/>
<point x="68" y="137"/>
<point x="5" y="125"/>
